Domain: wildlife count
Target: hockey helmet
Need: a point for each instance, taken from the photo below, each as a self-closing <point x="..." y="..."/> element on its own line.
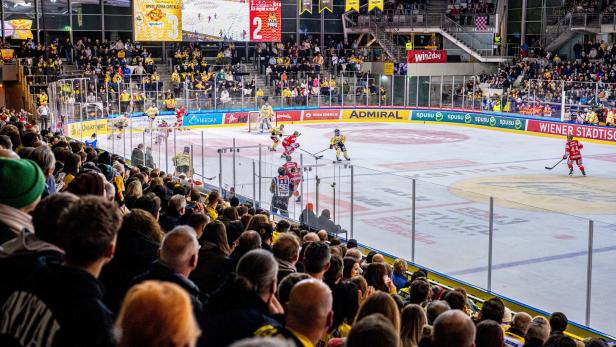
<point x="281" y="126"/>
<point x="296" y="133"/>
<point x="186" y="149"/>
<point x="337" y="132"/>
<point x="288" y="158"/>
<point x="281" y="170"/>
<point x="570" y="137"/>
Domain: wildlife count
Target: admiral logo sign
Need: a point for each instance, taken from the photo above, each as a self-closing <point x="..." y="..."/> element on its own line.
<point x="369" y="115"/>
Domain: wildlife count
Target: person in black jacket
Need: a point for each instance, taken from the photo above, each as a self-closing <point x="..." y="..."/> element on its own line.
<point x="173" y="214"/>
<point x="30" y="252"/>
<point x="137" y="247"/>
<point x="179" y="253"/>
<point x="62" y="305"/>
<point x="246" y="303"/>
<point x="327" y="224"/>
<point x="214" y="263"/>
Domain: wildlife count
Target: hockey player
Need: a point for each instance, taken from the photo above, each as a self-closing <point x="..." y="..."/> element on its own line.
<point x="182" y="162"/>
<point x="152" y="113"/>
<point x="119" y="124"/>
<point x="281" y="188"/>
<point x="294" y="172"/>
<point x="573" y="154"/>
<point x="337" y="143"/>
<point x="179" y="117"/>
<point x="290" y="145"/>
<point x="275" y="136"/>
<point x="163" y="132"/>
<point x="265" y="114"/>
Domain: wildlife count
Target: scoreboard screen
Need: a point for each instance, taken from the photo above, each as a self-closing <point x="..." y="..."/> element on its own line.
<point x="207" y="20"/>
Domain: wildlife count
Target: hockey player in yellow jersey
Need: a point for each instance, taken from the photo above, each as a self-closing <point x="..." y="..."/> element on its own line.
<point x="265" y="113"/>
<point x="337" y="143"/>
<point x="276" y="134"/>
<point x="152" y="113"/>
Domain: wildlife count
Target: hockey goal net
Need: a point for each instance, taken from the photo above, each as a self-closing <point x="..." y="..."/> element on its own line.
<point x="253" y="121"/>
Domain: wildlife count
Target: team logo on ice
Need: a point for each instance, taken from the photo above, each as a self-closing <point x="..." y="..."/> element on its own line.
<point x="467" y="118"/>
<point x="439" y="116"/>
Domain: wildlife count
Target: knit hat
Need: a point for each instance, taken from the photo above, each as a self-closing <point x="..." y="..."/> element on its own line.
<point x="87" y="183"/>
<point x="21" y="182"/>
<point x="107" y="171"/>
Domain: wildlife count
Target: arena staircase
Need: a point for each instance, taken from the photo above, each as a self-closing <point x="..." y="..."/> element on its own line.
<point x="555" y="36"/>
<point x="383" y="28"/>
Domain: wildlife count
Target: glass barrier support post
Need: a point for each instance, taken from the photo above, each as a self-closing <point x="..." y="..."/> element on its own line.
<point x="591" y="225"/>
<point x="254" y="185"/>
<point x="260" y="161"/>
<point x="202" y="159"/>
<point x="233" y="149"/>
<point x="352" y="199"/>
<point x="220" y="150"/>
<point x="414" y="192"/>
<point x="490" y="243"/>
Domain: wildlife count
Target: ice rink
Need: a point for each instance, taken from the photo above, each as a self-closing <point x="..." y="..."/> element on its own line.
<point x="541" y="218"/>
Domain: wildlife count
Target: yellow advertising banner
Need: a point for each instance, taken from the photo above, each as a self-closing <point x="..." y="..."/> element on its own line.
<point x="388" y="69"/>
<point x="158" y="20"/>
<point x="351" y="5"/>
<point x="376" y="115"/>
<point x="87" y="128"/>
<point x="372" y="4"/>
<point x="20" y="29"/>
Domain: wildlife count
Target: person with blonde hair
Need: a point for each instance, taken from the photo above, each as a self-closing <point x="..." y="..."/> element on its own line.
<point x="380" y="302"/>
<point x="134" y="190"/>
<point x="413" y="321"/>
<point x="156" y="314"/>
<point x="254" y="222"/>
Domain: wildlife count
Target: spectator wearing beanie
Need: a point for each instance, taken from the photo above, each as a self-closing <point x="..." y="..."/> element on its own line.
<point x="21" y="185"/>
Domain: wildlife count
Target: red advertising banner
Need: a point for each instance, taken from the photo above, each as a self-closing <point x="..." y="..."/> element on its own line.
<point x="288" y="116"/>
<point x="425" y="56"/>
<point x="236" y="118"/>
<point x="564" y="129"/>
<point x="265" y="21"/>
<point x="321" y="114"/>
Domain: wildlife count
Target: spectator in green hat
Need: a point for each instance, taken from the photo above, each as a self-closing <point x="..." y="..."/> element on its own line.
<point x="21" y="185"/>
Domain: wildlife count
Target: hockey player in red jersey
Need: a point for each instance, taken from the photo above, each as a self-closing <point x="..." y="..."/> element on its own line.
<point x="179" y="117"/>
<point x="294" y="172"/>
<point x="573" y="154"/>
<point x="290" y="145"/>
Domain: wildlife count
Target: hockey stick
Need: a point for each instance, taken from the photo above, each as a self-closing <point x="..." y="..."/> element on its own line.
<point x="550" y="168"/>
<point x="321" y="151"/>
<point x="313" y="155"/>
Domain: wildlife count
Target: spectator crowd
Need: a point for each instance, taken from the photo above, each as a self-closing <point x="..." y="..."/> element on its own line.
<point x="97" y="252"/>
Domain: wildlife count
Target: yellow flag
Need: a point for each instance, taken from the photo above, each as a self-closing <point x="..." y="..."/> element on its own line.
<point x="351" y="5"/>
<point x="372" y="4"/>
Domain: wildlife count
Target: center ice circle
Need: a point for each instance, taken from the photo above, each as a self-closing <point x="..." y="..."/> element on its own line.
<point x="574" y="195"/>
<point x="404" y="136"/>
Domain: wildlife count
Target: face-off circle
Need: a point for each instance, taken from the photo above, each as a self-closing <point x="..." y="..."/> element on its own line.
<point x="402" y="136"/>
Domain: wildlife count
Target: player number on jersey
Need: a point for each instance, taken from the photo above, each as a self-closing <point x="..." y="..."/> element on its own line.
<point x="256" y="34"/>
<point x="173" y="22"/>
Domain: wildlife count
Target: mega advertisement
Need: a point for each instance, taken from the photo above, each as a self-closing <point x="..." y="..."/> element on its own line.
<point x="587" y="132"/>
<point x="379" y="114"/>
<point x="317" y="115"/>
<point x="158" y="20"/>
<point x="231" y="20"/>
<point x="470" y="118"/>
<point x="207" y="20"/>
<point x="425" y="56"/>
<point x="202" y="119"/>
